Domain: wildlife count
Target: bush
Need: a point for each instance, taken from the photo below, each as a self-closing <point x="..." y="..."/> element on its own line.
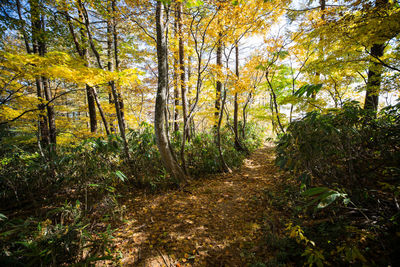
<point x="357" y="153"/>
<point x="32" y="242"/>
<point x="27" y="175"/>
<point x="348" y="147"/>
<point x="146" y="166"/>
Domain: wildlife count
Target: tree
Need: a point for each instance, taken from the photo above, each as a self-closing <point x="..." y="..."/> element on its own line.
<point x="160" y="115"/>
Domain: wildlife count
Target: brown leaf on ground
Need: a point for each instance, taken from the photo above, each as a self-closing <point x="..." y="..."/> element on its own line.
<point x="207" y="227"/>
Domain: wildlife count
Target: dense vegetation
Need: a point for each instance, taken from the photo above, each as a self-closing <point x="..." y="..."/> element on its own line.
<point x="119" y="114"/>
<point x="347" y="159"/>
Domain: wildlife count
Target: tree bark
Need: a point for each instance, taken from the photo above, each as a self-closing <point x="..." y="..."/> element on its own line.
<point x="50" y="114"/>
<point x="43" y="129"/>
<point x="118" y="102"/>
<point x="102" y="114"/>
<point x="224" y="166"/>
<point x="318" y="74"/>
<point x="245" y="115"/>
<point x="185" y="131"/>
<point x="182" y="71"/>
<point x="83" y="53"/>
<point x="160" y="123"/>
<point x="176" y="83"/>
<point x="109" y="62"/>
<point x="91" y="108"/>
<point x="22" y="27"/>
<point x="275" y="104"/>
<point x="374" y="79"/>
<point x="218" y="85"/>
<point x="47" y="125"/>
<point x="238" y="145"/>
<point x="116" y="57"/>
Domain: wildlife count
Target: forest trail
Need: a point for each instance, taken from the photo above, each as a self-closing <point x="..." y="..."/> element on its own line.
<point x="209" y="224"/>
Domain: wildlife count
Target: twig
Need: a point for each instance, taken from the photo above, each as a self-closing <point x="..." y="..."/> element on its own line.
<point x="162" y="256"/>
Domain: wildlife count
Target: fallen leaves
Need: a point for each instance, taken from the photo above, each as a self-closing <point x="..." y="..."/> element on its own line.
<point x="207" y="226"/>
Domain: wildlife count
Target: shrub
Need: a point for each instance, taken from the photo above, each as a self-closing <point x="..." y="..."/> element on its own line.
<point x="67" y="240"/>
<point x="352" y="155"/>
<point x="347" y="147"/>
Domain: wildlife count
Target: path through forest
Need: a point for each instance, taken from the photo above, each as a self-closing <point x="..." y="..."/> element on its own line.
<point x="210" y="223"/>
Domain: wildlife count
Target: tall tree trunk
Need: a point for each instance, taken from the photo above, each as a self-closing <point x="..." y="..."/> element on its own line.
<point x="176" y="83"/>
<point x="218" y="85"/>
<point x="46" y="123"/>
<point x="36" y="33"/>
<point x="83" y="54"/>
<point x="102" y="114"/>
<point x="224" y="166"/>
<point x="318" y="74"/>
<point x="91" y="108"/>
<point x="50" y="114"/>
<point x="374" y="79"/>
<point x="185" y="131"/>
<point x="22" y="27"/>
<point x="375" y="70"/>
<point x="182" y="71"/>
<point x="117" y="96"/>
<point x="245" y="115"/>
<point x="191" y="119"/>
<point x="109" y="61"/>
<point x="275" y="104"/>
<point x="160" y="123"/>
<point x="116" y="58"/>
<point x="47" y="92"/>
<point x="238" y="145"/>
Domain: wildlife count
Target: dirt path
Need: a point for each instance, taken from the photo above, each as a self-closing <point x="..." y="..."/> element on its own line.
<point x="207" y="225"/>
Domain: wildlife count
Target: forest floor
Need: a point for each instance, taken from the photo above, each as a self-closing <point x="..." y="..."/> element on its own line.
<point x="215" y="221"/>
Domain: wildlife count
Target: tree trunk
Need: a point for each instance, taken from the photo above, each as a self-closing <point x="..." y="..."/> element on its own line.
<point x="176" y="83"/>
<point x="185" y="131"/>
<point x="43" y="129"/>
<point x="50" y="114"/>
<point x="160" y="123"/>
<point x="92" y="109"/>
<point x="219" y="85"/>
<point x="245" y="115"/>
<point x="22" y="27"/>
<point x="116" y="57"/>
<point x="109" y="62"/>
<point x="90" y="91"/>
<point x="102" y="114"/>
<point x="318" y="74"/>
<point x="191" y="119"/>
<point x="275" y="104"/>
<point x="182" y="72"/>
<point x="47" y="93"/>
<point x="118" y="102"/>
<point x="374" y="79"/>
<point x="238" y="145"/>
<point x="83" y="54"/>
<point x="224" y="166"/>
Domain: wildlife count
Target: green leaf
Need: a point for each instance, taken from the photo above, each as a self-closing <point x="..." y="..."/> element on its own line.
<point x="194" y="3"/>
<point x="308" y="89"/>
<point x="3" y="217"/>
<point x="120" y="175"/>
<point x="315" y="191"/>
<point x="328" y="200"/>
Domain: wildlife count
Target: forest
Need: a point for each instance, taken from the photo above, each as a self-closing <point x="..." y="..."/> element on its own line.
<point x="199" y="133"/>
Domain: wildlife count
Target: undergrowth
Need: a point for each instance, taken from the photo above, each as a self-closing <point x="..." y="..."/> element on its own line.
<point x="345" y="164"/>
<point x="59" y="208"/>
